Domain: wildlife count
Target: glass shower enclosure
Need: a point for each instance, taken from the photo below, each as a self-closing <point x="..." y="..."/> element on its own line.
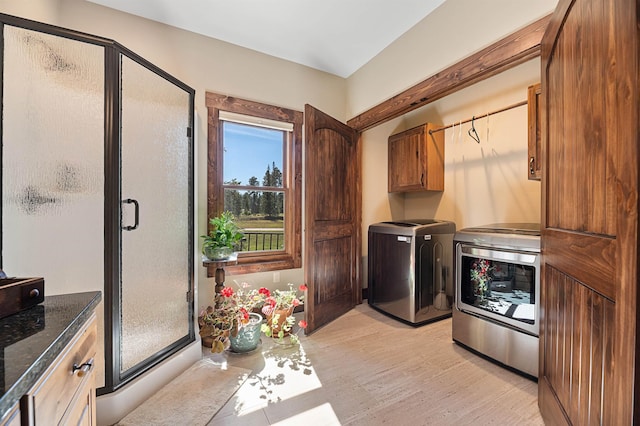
<point x="97" y="187"/>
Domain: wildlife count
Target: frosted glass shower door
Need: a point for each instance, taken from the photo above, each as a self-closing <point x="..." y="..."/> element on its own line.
<point x="53" y="163"/>
<point x="155" y="190"/>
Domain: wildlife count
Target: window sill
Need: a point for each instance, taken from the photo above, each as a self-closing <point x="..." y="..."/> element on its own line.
<point x="251" y="266"/>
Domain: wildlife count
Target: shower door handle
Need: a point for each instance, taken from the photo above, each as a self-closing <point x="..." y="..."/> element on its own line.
<point x="136" y="214"/>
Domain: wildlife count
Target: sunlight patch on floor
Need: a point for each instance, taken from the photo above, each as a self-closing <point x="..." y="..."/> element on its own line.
<point x="322" y="415"/>
<point x="287" y="373"/>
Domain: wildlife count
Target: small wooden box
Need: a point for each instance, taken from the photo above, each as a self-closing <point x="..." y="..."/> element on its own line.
<point x="17" y="294"/>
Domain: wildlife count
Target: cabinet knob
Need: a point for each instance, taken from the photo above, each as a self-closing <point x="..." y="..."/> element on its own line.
<point x="82" y="369"/>
<point x="532" y="162"/>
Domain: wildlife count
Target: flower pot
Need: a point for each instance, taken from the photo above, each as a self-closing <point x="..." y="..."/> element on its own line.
<point x="248" y="336"/>
<point x="282" y="318"/>
<point x="218" y="253"/>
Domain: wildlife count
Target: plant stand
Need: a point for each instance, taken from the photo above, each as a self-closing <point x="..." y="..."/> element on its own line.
<point x="220" y="265"/>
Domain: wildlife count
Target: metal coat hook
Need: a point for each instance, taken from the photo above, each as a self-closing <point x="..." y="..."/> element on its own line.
<point x="472" y="131"/>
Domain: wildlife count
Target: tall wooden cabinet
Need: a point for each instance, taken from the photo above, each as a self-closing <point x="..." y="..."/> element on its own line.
<point x="416" y="160"/>
<point x="589" y="293"/>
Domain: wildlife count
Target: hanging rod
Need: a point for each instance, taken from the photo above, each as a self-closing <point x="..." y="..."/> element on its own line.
<point x="507" y="108"/>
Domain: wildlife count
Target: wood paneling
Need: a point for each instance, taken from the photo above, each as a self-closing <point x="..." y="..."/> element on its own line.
<point x="577" y="347"/>
<point x="333" y="209"/>
<point x="335" y="192"/>
<point x="333" y="278"/>
<point x="591" y="258"/>
<point x="512" y="50"/>
<point x="589" y="295"/>
<point x="583" y="170"/>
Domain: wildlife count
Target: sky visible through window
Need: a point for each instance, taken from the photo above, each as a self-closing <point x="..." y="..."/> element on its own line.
<point x="249" y="150"/>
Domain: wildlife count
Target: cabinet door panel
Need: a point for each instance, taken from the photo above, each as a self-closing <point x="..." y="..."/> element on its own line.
<point x="406" y="165"/>
<point x="82" y="411"/>
<point x="416" y="160"/>
<point x="55" y="393"/>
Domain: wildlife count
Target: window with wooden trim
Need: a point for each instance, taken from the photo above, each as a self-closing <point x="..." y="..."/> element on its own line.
<point x="254" y="170"/>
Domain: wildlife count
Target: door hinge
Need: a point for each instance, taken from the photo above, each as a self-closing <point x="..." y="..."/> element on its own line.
<point x="188" y="132"/>
<point x="190" y="296"/>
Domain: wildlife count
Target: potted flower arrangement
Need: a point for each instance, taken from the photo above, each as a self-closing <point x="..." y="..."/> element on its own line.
<point x="223" y="237"/>
<point x="232" y="320"/>
<point x="215" y="324"/>
<point x="278" y="308"/>
<point x="481" y="278"/>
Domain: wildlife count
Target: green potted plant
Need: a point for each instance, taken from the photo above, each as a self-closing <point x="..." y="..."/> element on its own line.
<point x="223" y="237"/>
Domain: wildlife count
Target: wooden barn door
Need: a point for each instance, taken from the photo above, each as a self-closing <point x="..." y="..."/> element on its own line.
<point x="332" y="211"/>
<point x="590" y="214"/>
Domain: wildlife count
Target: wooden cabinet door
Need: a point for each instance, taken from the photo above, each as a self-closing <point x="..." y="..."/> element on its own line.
<point x="65" y="394"/>
<point x="407" y="167"/>
<point x="333" y="214"/>
<point x="534" y="145"/>
<point x="588" y="332"/>
<point x="82" y="410"/>
<point x="416" y="160"/>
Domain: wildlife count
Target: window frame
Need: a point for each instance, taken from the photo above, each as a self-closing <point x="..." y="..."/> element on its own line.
<point x="250" y="262"/>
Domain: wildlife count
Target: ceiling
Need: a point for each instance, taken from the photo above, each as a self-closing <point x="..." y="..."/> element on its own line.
<point x="336" y="36"/>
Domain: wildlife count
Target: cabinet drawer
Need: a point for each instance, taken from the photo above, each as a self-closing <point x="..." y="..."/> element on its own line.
<point x="52" y="396"/>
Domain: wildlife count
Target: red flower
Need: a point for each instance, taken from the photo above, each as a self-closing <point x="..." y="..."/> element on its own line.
<point x="295" y="302"/>
<point x="302" y="324"/>
<point x="226" y="291"/>
<point x="245" y="314"/>
<point x="264" y="291"/>
<point x="303" y="287"/>
<point x="271" y="301"/>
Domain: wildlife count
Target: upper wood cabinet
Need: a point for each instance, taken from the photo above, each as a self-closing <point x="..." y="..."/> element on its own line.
<point x="533" y="105"/>
<point x="416" y="160"/>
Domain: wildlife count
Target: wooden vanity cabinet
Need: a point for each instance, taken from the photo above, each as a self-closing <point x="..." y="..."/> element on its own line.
<point x="416" y="160"/>
<point x="65" y="394"/>
<point x="533" y="106"/>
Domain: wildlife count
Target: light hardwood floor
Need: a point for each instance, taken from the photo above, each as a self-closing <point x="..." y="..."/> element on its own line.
<point x="368" y="369"/>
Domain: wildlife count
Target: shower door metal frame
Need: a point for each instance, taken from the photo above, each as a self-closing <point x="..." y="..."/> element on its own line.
<point x="113" y="196"/>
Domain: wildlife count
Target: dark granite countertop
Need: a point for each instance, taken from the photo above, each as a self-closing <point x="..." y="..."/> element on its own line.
<point x="30" y="341"/>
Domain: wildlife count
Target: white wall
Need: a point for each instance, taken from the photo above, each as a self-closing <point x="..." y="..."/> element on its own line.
<point x="484" y="182"/>
<point x="455" y="30"/>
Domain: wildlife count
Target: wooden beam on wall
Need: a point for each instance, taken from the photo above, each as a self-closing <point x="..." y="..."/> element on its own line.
<point x="510" y="51"/>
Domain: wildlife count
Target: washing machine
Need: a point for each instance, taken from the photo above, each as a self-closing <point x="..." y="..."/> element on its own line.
<point x="410" y="269"/>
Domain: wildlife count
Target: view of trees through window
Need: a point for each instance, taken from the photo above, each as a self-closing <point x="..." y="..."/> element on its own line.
<point x="258" y="204"/>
